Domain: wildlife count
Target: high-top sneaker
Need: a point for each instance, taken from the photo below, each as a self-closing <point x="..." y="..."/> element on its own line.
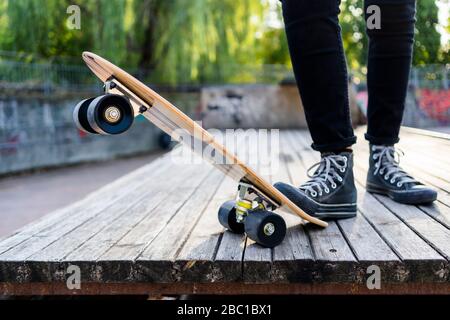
<point x="331" y="192"/>
<point x="386" y="177"/>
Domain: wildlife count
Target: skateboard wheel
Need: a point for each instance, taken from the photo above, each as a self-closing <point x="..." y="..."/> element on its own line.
<point x="110" y="114"/>
<point x="165" y="141"/>
<point x="80" y="116"/>
<point x="227" y="217"/>
<point x="265" y="228"/>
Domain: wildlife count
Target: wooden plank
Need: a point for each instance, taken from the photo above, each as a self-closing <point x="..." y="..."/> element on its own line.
<point x="434" y="233"/>
<point x="370" y="249"/>
<point x="438" y="211"/>
<point x="293" y="258"/>
<point x="257" y="260"/>
<point x="444" y="199"/>
<point x="421" y="261"/>
<point x="334" y="258"/>
<point x="49" y="263"/>
<point x="124" y="252"/>
<point x="158" y="257"/>
<point x="102" y="241"/>
<point x="82" y="244"/>
<point x="48" y="235"/>
<point x="227" y="265"/>
<point x="90" y="203"/>
<point x="196" y="260"/>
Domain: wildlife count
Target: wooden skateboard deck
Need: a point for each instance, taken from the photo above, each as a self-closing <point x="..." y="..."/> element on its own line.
<point x="171" y="120"/>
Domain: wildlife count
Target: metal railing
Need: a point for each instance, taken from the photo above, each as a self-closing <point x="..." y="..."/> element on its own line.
<point x="50" y="76"/>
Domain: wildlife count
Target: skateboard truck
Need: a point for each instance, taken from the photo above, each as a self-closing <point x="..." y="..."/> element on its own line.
<point x="250" y="213"/>
<point x="112" y="86"/>
<point x="250" y="198"/>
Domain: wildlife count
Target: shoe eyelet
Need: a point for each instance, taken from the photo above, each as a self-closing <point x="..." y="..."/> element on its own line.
<point x="327" y="190"/>
<point x="342" y="170"/>
<point x="373" y="148"/>
<point x="374" y="157"/>
<point x="377" y="165"/>
<point x="334" y="185"/>
<point x="399" y="184"/>
<point x="320" y="194"/>
<point x="386" y="177"/>
<point x="392" y="181"/>
<point x="313" y="194"/>
<point x="339" y="178"/>
<point x="381" y="171"/>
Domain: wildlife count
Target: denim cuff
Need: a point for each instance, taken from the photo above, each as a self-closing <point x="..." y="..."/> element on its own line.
<point x="381" y="140"/>
<point x="344" y="143"/>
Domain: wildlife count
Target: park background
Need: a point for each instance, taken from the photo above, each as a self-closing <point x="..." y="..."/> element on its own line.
<point x="220" y="61"/>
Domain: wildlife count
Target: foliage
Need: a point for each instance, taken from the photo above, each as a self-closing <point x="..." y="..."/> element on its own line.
<point x="184" y="40"/>
<point x="427" y="38"/>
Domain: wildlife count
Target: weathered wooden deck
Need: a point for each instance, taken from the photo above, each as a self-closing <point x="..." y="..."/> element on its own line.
<point x="156" y="231"/>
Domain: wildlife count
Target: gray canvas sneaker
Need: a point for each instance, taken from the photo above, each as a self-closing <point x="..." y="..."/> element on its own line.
<point x="386" y="177"/>
<point x="331" y="192"/>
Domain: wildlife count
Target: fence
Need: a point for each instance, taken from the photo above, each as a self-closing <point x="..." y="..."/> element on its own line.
<point x="49" y="77"/>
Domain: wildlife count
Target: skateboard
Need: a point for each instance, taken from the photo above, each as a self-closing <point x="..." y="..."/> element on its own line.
<point x="126" y="97"/>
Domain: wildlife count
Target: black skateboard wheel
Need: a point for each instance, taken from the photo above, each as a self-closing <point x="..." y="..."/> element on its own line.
<point x="265" y="228"/>
<point x="227" y="217"/>
<point x="110" y="114"/>
<point x="165" y="141"/>
<point x="80" y="116"/>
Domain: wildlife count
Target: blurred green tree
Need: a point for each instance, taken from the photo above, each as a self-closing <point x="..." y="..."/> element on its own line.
<point x="185" y="40"/>
<point x="198" y="39"/>
<point x="427" y="46"/>
<point x="427" y="43"/>
<point x="354" y="36"/>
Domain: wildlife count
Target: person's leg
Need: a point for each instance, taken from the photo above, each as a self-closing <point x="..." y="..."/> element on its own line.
<point x="315" y="45"/>
<point x="389" y="62"/>
<point x="317" y="54"/>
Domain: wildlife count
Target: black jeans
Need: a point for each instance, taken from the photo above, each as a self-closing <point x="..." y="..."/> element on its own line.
<point x="315" y="45"/>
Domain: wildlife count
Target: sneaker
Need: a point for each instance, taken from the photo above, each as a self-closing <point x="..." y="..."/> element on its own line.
<point x="331" y="192"/>
<point x="386" y="177"/>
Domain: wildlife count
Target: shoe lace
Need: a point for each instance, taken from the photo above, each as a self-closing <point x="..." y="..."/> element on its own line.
<point x="387" y="163"/>
<point x="325" y="174"/>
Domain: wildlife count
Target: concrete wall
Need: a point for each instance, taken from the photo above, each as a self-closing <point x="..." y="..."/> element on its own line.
<point x="252" y="106"/>
<point x="258" y="106"/>
<point x="37" y="131"/>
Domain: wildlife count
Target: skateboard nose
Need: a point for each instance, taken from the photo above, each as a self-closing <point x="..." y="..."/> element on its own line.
<point x="87" y="56"/>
